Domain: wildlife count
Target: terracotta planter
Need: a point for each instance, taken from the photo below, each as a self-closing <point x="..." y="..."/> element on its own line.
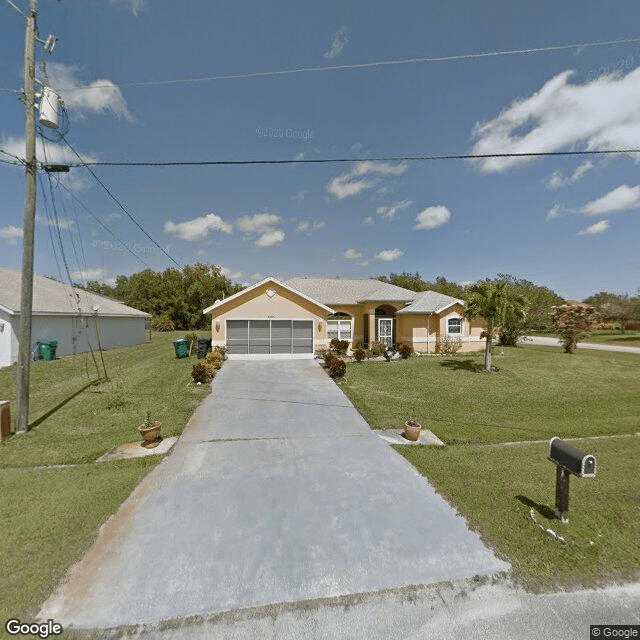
<point x="150" y="434"/>
<point x="412" y="431"/>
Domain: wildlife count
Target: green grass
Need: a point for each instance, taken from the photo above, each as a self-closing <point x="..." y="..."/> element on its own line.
<point x="538" y="393"/>
<point x="76" y="419"/>
<point x="49" y="515"/>
<point x="615" y="338"/>
<point x="495" y="488"/>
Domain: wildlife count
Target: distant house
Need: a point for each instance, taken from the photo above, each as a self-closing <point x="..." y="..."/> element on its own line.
<point x="293" y="318"/>
<point x="73" y="317"/>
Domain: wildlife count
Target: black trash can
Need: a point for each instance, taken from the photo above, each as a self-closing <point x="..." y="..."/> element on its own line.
<point x="204" y="346"/>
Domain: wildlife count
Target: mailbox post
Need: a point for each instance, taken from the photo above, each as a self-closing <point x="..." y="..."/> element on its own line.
<point x="568" y="460"/>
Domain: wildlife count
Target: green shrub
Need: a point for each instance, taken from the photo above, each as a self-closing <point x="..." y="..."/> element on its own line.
<point x="359" y="354"/>
<point x="202" y="372"/>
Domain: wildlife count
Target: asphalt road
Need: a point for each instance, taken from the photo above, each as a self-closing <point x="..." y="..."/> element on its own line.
<point x="555" y="342"/>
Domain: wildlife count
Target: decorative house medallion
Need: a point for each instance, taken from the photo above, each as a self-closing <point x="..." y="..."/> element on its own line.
<point x="271" y="293"/>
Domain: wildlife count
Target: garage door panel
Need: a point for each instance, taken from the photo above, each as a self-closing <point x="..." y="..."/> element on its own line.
<point x="302" y="336"/>
<point x="237" y="336"/>
<point x="259" y="336"/>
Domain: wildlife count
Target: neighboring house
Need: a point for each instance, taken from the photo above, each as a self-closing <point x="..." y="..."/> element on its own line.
<point x="75" y="318"/>
<point x="293" y="318"/>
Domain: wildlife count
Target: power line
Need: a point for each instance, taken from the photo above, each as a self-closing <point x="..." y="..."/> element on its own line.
<point x="84" y="164"/>
<point x="16" y="161"/>
<point x="362" y="65"/>
<point x="461" y="156"/>
<point x="104" y="226"/>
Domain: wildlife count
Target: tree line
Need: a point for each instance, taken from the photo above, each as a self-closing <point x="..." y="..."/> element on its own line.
<point x="175" y="298"/>
<point x="617" y="310"/>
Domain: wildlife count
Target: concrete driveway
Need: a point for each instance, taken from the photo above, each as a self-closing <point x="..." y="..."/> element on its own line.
<point x="277" y="492"/>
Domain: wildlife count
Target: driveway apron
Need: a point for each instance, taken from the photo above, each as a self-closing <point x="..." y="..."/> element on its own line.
<point x="277" y="491"/>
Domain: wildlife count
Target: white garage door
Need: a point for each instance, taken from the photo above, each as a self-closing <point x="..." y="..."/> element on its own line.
<point x="269" y="337"/>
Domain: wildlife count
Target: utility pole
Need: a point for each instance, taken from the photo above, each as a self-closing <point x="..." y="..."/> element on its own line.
<point x="26" y="300"/>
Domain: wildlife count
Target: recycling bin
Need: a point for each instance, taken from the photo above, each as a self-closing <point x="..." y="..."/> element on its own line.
<point x="182" y="348"/>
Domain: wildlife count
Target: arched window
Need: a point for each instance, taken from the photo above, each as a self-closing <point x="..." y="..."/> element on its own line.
<point x="339" y="325"/>
<point x="454" y="326"/>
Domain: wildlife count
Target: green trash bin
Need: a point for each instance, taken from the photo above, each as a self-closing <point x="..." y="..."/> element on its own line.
<point x="54" y="346"/>
<point x="182" y="348"/>
<point x="46" y="351"/>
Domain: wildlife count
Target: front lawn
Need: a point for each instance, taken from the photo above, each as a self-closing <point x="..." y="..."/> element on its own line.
<point x="496" y="487"/>
<point x="49" y="515"/>
<point x="538" y="393"/>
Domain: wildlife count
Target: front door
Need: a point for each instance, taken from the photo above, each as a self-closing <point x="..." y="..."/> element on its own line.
<point x="385" y="331"/>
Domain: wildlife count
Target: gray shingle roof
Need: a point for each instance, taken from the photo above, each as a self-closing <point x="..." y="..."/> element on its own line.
<point x="332" y="291"/>
<point x="53" y="297"/>
<point x="430" y="302"/>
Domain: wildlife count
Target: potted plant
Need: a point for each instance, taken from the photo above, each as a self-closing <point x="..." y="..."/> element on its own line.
<point x="149" y="429"/>
<point x="412" y="429"/>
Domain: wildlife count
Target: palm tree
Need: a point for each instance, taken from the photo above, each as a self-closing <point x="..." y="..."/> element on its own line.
<point x="493" y="301"/>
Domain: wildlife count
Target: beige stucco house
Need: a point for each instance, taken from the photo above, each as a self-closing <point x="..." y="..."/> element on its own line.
<point x="296" y="317"/>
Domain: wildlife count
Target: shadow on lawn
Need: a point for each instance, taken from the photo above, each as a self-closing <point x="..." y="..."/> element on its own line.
<point x="468" y="364"/>
<point x="59" y="406"/>
<point x="544" y="510"/>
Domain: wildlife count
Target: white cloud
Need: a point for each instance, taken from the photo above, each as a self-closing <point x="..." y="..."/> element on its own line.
<point x="100" y="96"/>
<point x="198" y="228"/>
<point x="256" y="276"/>
<point x="594" y="229"/>
<point x="98" y="273"/>
<point x="270" y="238"/>
<point x="364" y="175"/>
<point x="11" y="234"/>
<point x="601" y="114"/>
<point x="338" y="43"/>
<point x="352" y="254"/>
<point x="432" y="217"/>
<point x="258" y="223"/>
<point x="60" y="223"/>
<point x="134" y="5"/>
<point x="53" y="153"/>
<point x="300" y="196"/>
<point x="553" y="213"/>
<point x="388" y="255"/>
<point x="367" y="220"/>
<point x="232" y="275"/>
<point x="622" y="198"/>
<point x="391" y="211"/>
<point x="581" y="170"/>
<point x="558" y="180"/>
<point x="310" y="226"/>
<point x="262" y="225"/>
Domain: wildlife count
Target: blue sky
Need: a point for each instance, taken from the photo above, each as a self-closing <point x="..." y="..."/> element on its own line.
<point x="571" y="223"/>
